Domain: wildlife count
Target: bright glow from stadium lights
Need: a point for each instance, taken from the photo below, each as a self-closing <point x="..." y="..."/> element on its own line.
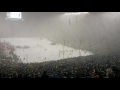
<point x="76" y="13"/>
<point x="14" y="15"/>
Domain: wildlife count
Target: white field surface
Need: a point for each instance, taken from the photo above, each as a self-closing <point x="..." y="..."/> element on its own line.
<point x="37" y="52"/>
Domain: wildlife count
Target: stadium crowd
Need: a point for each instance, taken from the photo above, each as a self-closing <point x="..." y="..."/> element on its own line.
<point x="94" y="66"/>
<point x="80" y="67"/>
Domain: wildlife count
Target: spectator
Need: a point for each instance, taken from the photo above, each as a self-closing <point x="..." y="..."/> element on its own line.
<point x="44" y="75"/>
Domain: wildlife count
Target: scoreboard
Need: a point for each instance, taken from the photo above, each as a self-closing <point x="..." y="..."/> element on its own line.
<point x="14" y="16"/>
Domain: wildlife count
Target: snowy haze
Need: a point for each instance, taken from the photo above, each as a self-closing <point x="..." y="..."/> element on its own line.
<point x="41" y="50"/>
<point x="98" y="31"/>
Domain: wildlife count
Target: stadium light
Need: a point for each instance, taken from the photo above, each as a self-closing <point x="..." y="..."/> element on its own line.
<point x="14" y="15"/>
<point x="75" y="13"/>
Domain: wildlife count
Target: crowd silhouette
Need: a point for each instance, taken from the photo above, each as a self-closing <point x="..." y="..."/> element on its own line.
<point x="81" y="67"/>
<point x="94" y="66"/>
